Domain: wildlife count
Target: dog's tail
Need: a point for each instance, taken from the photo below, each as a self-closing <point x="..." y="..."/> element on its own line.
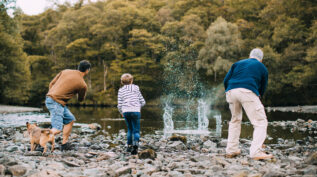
<point x="46" y="131"/>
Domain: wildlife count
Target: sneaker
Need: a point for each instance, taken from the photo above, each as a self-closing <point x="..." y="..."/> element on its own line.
<point x="67" y="147"/>
<point x="134" y="150"/>
<point x="129" y="148"/>
<point x="262" y="156"/>
<point x="234" y="154"/>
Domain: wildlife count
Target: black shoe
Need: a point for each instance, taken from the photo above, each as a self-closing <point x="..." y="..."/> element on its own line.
<point x="134" y="150"/>
<point x="129" y="148"/>
<point x="67" y="147"/>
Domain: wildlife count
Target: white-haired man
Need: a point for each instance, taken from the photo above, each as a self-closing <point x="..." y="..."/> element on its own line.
<point x="245" y="82"/>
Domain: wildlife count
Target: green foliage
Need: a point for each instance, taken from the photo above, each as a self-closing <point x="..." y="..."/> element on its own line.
<point x="222" y="48"/>
<point x="163" y="43"/>
<point x="14" y="74"/>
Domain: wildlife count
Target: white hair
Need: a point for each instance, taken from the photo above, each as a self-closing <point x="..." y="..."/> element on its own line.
<point x="256" y="53"/>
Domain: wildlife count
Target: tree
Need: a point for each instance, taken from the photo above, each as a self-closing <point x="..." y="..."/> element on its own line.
<point x="14" y="73"/>
<point x="222" y="48"/>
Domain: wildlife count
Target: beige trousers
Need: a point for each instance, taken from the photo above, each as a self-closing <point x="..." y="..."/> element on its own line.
<point x="238" y="98"/>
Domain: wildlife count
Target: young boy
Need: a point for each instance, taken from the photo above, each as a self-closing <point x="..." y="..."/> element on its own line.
<point x="130" y="101"/>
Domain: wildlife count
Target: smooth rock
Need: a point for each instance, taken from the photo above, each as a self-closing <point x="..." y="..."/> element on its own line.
<point x="175" y="174"/>
<point x="17" y="170"/>
<point x="178" y="145"/>
<point x="223" y="143"/>
<point x="33" y="153"/>
<point x="310" y="170"/>
<point x="312" y="159"/>
<point x="123" y="170"/>
<point x="71" y="164"/>
<point x="147" y="154"/>
<point x="12" y="148"/>
<point x="178" y="138"/>
<point x="241" y="174"/>
<point x="95" y="147"/>
<point x="94" y="126"/>
<point x="46" y="173"/>
<point x="209" y="144"/>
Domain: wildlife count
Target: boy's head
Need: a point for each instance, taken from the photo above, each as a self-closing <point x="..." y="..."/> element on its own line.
<point x="126" y="79"/>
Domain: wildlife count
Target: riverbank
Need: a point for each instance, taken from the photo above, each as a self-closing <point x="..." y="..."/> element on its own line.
<point x="299" y="109"/>
<point x="96" y="153"/>
<point x="5" y="109"/>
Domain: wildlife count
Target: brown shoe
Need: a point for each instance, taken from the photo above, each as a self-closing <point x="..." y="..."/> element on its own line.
<point x="234" y="154"/>
<point x="262" y="156"/>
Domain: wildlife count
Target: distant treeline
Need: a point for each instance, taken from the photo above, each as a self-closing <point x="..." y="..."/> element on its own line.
<point x="147" y="38"/>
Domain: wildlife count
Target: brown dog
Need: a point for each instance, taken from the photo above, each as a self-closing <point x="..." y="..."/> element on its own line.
<point x="40" y="136"/>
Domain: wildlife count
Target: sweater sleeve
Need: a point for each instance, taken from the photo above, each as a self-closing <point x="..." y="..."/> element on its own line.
<point x="120" y="101"/>
<point x="55" y="79"/>
<point x="228" y="76"/>
<point x="141" y="99"/>
<point x="264" y="82"/>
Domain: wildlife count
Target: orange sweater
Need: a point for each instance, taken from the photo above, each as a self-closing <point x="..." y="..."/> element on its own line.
<point x="65" y="85"/>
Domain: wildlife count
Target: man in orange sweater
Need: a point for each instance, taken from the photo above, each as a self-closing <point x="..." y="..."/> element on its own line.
<point x="62" y="88"/>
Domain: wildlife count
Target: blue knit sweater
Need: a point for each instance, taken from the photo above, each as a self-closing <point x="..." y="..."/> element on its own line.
<point x="248" y="73"/>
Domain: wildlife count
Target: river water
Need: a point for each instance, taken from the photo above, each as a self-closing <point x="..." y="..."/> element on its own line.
<point x="152" y="121"/>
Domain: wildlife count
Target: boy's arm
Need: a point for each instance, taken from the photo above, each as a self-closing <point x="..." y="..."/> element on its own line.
<point x="141" y="99"/>
<point x="120" y="101"/>
<point x="82" y="93"/>
<point x="55" y="79"/>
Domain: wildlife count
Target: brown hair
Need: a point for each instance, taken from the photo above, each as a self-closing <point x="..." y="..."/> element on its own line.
<point x="126" y="79"/>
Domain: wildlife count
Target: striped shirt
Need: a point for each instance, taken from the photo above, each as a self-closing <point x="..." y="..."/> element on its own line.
<point x="130" y="99"/>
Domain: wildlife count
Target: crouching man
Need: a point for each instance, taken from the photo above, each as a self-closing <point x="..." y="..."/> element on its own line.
<point x="245" y="82"/>
<point x="62" y="88"/>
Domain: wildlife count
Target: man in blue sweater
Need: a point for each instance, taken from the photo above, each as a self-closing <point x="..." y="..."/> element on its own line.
<point x="245" y="83"/>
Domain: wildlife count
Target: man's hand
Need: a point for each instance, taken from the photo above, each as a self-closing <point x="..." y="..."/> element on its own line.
<point x="122" y="115"/>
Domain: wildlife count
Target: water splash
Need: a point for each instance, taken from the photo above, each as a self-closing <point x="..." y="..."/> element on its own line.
<point x="203" y="121"/>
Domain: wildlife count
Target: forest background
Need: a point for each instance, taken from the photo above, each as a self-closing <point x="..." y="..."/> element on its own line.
<point x="152" y="38"/>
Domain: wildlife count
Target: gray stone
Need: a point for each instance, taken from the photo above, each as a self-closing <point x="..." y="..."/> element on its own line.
<point x="71" y="164"/>
<point x="94" y="172"/>
<point x="274" y="174"/>
<point x="209" y="145"/>
<point x="177" y="145"/>
<point x="17" y="170"/>
<point x="95" y="147"/>
<point x="310" y="170"/>
<point x="147" y="154"/>
<point x="33" y="153"/>
<point x="56" y="166"/>
<point x="312" y="159"/>
<point x="123" y="170"/>
<point x="175" y="174"/>
<point x="46" y="173"/>
<point x="12" y="148"/>
<point x="223" y="143"/>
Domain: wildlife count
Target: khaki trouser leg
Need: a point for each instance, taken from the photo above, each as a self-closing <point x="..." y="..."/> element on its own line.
<point x="256" y="114"/>
<point x="235" y="123"/>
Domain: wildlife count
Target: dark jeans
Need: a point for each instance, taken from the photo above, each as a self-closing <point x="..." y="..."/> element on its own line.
<point x="132" y="120"/>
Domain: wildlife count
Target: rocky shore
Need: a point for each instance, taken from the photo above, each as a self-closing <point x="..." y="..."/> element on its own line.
<point x="5" y="109"/>
<point x="96" y="153"/>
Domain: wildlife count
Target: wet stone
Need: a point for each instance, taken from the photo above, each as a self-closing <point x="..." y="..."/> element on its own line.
<point x="17" y="170"/>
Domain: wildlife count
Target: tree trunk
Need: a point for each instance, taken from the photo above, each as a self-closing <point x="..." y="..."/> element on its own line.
<point x="105" y="72"/>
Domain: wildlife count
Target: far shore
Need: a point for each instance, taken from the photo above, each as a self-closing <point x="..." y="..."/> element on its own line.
<point x="4" y="109"/>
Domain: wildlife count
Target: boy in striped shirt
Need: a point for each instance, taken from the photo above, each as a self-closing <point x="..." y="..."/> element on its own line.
<point x="130" y="101"/>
